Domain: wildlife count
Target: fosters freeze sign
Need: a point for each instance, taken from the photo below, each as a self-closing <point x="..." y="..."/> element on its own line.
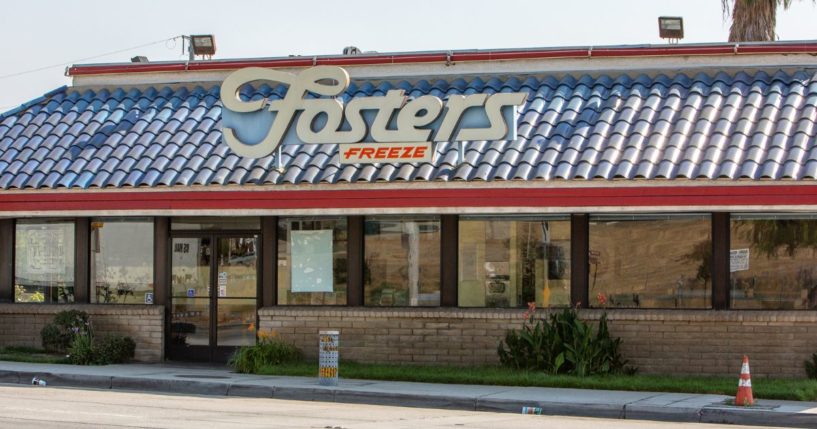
<point x="387" y="128"/>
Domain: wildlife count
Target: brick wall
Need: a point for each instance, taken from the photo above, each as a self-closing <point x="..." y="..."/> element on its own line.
<point x="658" y="342"/>
<point x="20" y="324"/>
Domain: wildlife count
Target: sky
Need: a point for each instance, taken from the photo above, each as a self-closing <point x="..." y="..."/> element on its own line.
<point x="42" y="37"/>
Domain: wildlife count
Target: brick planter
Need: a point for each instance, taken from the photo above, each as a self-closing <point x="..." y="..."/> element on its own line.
<point x="657" y="341"/>
<point x="20" y="324"/>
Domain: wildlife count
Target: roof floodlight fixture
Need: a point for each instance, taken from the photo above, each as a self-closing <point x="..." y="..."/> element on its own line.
<point x="139" y="59"/>
<point x="671" y="27"/>
<point x="203" y="45"/>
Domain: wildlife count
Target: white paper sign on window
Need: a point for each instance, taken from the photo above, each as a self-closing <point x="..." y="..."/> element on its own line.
<point x="46" y="253"/>
<point x="738" y="260"/>
<point x="311" y="261"/>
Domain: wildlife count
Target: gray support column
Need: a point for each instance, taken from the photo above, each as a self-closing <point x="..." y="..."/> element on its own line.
<point x="6" y="260"/>
<point x="354" y="278"/>
<point x="269" y="264"/>
<point x="720" y="261"/>
<point x="161" y="261"/>
<point x="579" y="259"/>
<point x="449" y="236"/>
<point x="82" y="260"/>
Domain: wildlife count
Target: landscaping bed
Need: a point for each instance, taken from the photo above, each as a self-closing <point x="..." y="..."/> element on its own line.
<point x="30" y="354"/>
<point x="763" y="388"/>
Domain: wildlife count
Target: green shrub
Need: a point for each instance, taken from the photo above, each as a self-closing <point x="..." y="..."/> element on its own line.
<point x="267" y="352"/>
<point x="72" y="319"/>
<point x="54" y="340"/>
<point x="58" y="335"/>
<point x="81" y="351"/>
<point x="114" y="349"/>
<point x="811" y="367"/>
<point x="89" y="350"/>
<point x="71" y="332"/>
<point x="562" y="344"/>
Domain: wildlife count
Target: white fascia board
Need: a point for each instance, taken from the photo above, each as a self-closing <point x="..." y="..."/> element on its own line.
<point x="499" y="211"/>
<point x="594" y="66"/>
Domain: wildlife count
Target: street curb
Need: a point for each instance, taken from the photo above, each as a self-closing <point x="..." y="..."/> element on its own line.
<point x="663" y="414"/>
<point x="405" y="400"/>
<point x="193" y="387"/>
<point x="250" y="391"/>
<point x="715" y="413"/>
<point x="752" y="417"/>
<point x="304" y="394"/>
<point x="11" y="377"/>
<point x="552" y="409"/>
<point x="74" y="380"/>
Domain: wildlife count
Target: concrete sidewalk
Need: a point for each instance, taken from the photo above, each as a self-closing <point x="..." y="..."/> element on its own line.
<point x="208" y="380"/>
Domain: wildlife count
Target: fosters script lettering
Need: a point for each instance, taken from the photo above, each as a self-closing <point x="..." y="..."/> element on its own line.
<point x="327" y="120"/>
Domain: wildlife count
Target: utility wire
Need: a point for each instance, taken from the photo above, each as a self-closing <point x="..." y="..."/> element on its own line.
<point x="88" y="58"/>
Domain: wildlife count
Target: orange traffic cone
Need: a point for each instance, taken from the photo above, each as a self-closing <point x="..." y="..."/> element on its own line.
<point x="744" y="396"/>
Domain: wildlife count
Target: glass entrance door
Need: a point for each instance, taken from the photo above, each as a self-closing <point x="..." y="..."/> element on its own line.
<point x="214" y="284"/>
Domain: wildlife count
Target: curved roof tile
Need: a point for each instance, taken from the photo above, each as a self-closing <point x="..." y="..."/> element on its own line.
<point x="713" y="125"/>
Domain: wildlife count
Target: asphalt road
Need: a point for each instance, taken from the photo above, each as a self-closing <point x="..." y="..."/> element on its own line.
<point x="50" y="407"/>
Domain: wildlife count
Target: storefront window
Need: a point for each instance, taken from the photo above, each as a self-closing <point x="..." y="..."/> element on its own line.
<point x="650" y="262"/>
<point x="122" y="261"/>
<point x="312" y="261"/>
<point x="773" y="262"/>
<point x="509" y="263"/>
<point x="44" y="262"/>
<point x="402" y="262"/>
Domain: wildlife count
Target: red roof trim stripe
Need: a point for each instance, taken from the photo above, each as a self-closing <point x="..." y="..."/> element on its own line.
<point x="646" y="197"/>
<point x="668" y="51"/>
<point x="461" y="56"/>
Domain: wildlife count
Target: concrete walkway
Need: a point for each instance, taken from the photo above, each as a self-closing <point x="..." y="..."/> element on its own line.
<point x="208" y="380"/>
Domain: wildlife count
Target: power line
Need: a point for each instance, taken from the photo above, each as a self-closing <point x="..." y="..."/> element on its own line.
<point x="88" y="58"/>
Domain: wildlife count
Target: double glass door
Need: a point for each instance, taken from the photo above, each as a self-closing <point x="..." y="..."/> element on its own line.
<point x="214" y="284"/>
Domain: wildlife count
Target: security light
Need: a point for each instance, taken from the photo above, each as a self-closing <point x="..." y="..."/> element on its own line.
<point x="203" y="44"/>
<point x="139" y="59"/>
<point x="671" y="27"/>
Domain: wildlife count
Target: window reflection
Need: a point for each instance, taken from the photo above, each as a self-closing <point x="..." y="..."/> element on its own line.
<point x="509" y="263"/>
<point x="215" y="223"/>
<point x="773" y="262"/>
<point x="402" y="261"/>
<point x="44" y="262"/>
<point x="190" y="322"/>
<point x="312" y="261"/>
<point x="237" y="273"/>
<point x="190" y="267"/>
<point x="650" y="262"/>
<point x="122" y="261"/>
<point x="236" y="322"/>
<point x="237" y="287"/>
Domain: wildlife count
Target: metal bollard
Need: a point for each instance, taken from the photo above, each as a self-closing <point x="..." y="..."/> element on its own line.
<point x="328" y="357"/>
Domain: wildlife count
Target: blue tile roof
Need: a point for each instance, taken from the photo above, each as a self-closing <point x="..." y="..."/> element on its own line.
<point x="639" y="127"/>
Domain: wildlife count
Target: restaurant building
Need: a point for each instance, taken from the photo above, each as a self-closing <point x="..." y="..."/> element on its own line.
<point x="418" y="201"/>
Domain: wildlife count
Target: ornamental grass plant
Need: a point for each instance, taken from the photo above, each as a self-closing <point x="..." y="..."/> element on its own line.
<point x="268" y="351"/>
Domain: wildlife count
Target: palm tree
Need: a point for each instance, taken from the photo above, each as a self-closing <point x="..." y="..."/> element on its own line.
<point x="753" y="20"/>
